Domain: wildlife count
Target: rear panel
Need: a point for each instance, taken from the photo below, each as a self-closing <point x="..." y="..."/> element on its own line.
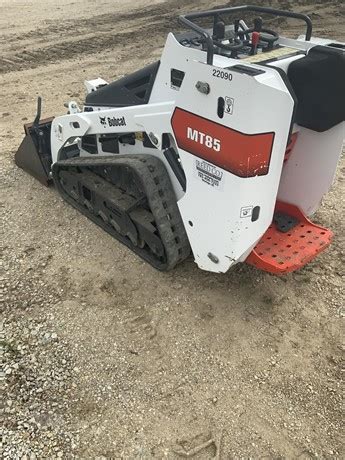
<point x="232" y="159"/>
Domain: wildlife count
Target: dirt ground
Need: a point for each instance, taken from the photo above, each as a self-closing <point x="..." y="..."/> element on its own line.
<point x="103" y="355"/>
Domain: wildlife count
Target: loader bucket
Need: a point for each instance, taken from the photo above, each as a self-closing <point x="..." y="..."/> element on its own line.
<point x="34" y="153"/>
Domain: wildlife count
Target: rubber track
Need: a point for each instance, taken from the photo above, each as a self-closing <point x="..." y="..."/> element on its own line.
<point x="157" y="187"/>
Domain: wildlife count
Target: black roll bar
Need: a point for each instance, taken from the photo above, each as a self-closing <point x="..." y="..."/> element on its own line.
<point x="187" y="20"/>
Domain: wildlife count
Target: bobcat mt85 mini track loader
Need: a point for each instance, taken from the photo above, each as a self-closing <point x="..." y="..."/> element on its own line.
<point x="225" y="147"/>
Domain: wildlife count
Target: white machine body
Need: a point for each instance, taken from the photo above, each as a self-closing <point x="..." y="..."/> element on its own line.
<point x="234" y="164"/>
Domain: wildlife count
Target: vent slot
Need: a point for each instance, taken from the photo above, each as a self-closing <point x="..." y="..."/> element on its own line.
<point x="176" y="78"/>
<point x="89" y="143"/>
<point x="247" y="70"/>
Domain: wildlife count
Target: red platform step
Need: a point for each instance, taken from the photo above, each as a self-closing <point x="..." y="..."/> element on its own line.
<point x="281" y="252"/>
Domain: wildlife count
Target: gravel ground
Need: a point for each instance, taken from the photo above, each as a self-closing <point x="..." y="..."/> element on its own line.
<point x="102" y="355"/>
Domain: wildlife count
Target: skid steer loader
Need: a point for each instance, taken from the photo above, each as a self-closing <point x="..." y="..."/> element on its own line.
<point x="225" y="147"/>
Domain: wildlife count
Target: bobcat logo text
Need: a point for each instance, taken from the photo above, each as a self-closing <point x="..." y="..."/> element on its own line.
<point x="109" y="122"/>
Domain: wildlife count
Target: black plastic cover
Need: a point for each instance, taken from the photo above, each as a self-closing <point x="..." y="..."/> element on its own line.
<point x="318" y="80"/>
<point x="134" y="89"/>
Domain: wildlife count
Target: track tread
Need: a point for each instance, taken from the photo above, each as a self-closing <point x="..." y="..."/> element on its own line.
<point x="161" y="199"/>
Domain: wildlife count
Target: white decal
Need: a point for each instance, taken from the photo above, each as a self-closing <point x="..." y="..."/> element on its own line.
<point x="209" y="173"/>
<point x="229" y="105"/>
<point x="246" y="211"/>
<point x="203" y="139"/>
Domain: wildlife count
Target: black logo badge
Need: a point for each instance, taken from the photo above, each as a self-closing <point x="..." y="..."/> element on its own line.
<point x="108" y="122"/>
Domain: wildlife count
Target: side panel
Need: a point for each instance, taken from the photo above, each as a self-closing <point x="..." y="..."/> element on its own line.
<point x="231" y="189"/>
<point x="308" y="174"/>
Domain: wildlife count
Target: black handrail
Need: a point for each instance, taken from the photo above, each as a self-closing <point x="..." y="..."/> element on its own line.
<point x="187" y="20"/>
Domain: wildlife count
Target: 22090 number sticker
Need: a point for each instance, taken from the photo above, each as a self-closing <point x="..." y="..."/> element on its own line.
<point x="221" y="74"/>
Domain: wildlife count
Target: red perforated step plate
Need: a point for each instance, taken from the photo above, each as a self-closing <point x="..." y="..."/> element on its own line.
<point x="280" y="253"/>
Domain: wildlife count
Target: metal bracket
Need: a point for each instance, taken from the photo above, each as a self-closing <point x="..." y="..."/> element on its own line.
<point x="73" y="107"/>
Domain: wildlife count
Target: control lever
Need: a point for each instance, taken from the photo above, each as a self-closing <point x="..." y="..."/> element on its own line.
<point x="258" y="24"/>
<point x="256" y="35"/>
<point x="219" y="30"/>
<point x="255" y="42"/>
<point x="236" y="26"/>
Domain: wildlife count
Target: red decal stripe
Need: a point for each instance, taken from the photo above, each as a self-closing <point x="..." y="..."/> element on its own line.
<point x="245" y="155"/>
